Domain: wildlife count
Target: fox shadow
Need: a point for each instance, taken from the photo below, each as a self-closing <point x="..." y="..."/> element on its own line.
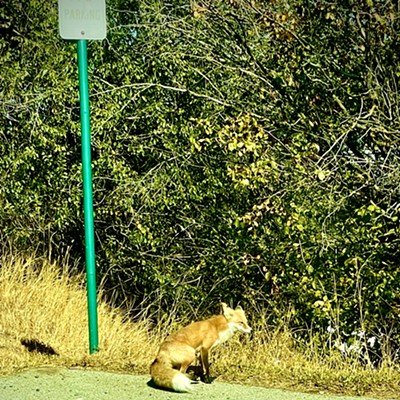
<point x="196" y="373"/>
<point x="153" y="385"/>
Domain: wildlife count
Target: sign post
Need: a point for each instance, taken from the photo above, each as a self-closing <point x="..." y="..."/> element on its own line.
<point x="84" y="20"/>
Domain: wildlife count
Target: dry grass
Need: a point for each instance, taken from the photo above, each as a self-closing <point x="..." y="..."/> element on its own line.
<point x="271" y="359"/>
<point x="45" y="303"/>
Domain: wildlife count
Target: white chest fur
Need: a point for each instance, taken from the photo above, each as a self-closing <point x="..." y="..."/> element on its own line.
<point x="224" y="335"/>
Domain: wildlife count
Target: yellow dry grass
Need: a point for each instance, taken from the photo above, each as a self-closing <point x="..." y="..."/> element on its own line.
<point x="45" y="303"/>
<point x="271" y="359"/>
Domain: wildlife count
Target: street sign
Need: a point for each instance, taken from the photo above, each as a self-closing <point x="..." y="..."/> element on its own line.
<point x="82" y="19"/>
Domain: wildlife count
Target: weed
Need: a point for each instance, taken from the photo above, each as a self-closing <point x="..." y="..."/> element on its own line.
<point x="43" y="321"/>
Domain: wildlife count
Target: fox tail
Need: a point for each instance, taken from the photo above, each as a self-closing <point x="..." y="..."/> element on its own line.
<point x="166" y="377"/>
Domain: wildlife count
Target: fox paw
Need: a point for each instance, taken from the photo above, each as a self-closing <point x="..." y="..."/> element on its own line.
<point x="207" y="379"/>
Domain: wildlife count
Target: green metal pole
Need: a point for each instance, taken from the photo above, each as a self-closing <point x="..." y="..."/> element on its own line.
<point x="88" y="196"/>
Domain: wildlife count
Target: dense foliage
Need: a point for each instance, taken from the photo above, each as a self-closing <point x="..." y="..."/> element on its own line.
<point x="242" y="150"/>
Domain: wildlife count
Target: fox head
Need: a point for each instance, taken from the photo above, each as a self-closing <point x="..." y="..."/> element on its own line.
<point x="236" y="318"/>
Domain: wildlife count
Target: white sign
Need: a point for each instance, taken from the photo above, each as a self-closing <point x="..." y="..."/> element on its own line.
<point x="82" y="19"/>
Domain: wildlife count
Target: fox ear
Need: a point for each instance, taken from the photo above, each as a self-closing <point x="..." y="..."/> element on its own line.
<point x="239" y="308"/>
<point x="227" y="311"/>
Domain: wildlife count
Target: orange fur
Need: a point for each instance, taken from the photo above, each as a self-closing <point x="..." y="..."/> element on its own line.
<point x="180" y="349"/>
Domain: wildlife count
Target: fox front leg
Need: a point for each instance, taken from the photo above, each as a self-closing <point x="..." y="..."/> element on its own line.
<point x="205" y="365"/>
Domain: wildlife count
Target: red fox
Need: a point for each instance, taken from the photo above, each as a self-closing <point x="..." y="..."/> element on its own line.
<point x="180" y="349"/>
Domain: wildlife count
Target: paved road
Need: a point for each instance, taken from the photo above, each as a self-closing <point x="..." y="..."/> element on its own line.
<point x="76" y="384"/>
